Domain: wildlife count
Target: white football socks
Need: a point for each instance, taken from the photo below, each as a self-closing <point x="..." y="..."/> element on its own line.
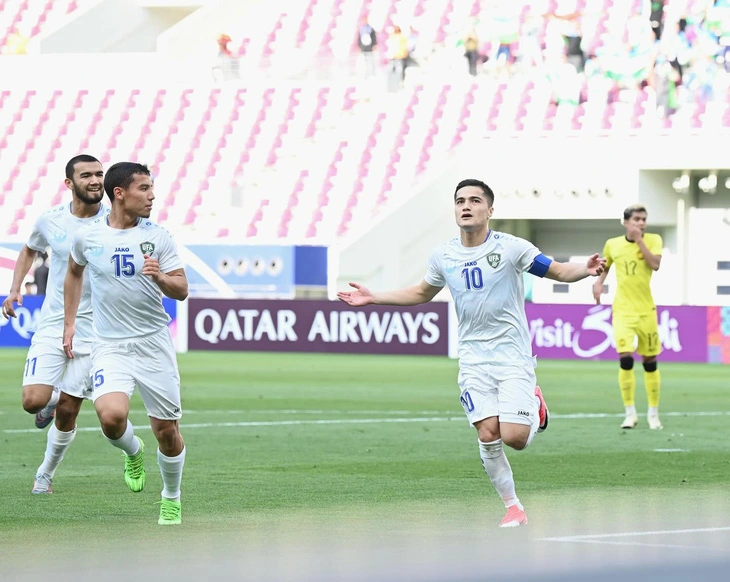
<point x="128" y="443"/>
<point x="499" y="471"/>
<point x="50" y="406"/>
<point x="171" y="469"/>
<point x="56" y="444"/>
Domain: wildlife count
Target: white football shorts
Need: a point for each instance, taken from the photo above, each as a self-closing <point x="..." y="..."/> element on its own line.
<point x="149" y="363"/>
<point x="503" y="390"/>
<point x="47" y="364"/>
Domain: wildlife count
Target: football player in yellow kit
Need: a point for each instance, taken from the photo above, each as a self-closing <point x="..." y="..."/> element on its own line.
<point x="636" y="256"/>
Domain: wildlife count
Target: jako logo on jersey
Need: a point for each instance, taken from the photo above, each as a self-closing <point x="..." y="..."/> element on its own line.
<point x="147" y="248"/>
<point x="470" y="264"/>
<point x="522" y="413"/>
<point x="121" y="250"/>
<point x="494" y="259"/>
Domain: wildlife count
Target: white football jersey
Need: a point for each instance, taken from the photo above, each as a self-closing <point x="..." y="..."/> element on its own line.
<point x="126" y="303"/>
<point x="488" y="291"/>
<point x="55" y="228"/>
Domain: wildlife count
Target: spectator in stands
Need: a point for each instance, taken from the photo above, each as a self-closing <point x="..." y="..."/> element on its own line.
<point x="412" y="43"/>
<point x="570" y="21"/>
<point x="566" y="83"/>
<point x="530" y="49"/>
<point x="16" y="43"/>
<point x="666" y="79"/>
<point x="656" y="17"/>
<point x="505" y="17"/>
<point x="718" y="23"/>
<point x="227" y="65"/>
<point x="29" y="288"/>
<point x="397" y="50"/>
<point x="471" y="51"/>
<point x="367" y="41"/>
<point x="40" y="275"/>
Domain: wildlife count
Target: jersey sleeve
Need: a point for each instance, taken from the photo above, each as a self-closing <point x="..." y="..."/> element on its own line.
<point x="77" y="248"/>
<point x="607" y="254"/>
<point x="168" y="258"/>
<point x="37" y="240"/>
<point x="434" y="270"/>
<point x="656" y="245"/>
<point x="523" y="254"/>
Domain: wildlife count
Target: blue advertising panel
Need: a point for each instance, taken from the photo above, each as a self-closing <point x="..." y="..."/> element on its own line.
<point x="240" y="270"/>
<point x="17" y="331"/>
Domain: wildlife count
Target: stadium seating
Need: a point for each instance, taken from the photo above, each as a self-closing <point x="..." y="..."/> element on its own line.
<point x="305" y="169"/>
<point x="31" y="18"/>
<point x="289" y="152"/>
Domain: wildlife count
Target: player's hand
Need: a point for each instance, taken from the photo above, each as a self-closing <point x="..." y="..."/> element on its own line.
<point x="634" y="232"/>
<point x="151" y="268"/>
<point x="8" y="304"/>
<point x="361" y="296"/>
<point x="68" y="340"/>
<point x="597" y="292"/>
<point x="595" y="265"/>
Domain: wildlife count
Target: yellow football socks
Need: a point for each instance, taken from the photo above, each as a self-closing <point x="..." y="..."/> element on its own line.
<point x="627" y="384"/>
<point x="653" y="381"/>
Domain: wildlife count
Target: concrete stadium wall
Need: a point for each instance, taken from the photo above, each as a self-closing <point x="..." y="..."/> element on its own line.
<point x="196" y="35"/>
<point x="125" y="26"/>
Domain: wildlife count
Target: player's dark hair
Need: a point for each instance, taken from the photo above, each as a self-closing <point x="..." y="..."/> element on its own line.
<point x="121" y="175"/>
<point x="628" y="213"/>
<point x="479" y="184"/>
<point x="76" y="160"/>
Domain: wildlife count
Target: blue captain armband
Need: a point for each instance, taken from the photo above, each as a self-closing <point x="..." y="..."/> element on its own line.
<point x="540" y="266"/>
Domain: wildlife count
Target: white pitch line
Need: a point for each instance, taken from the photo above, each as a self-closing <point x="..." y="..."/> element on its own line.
<point x="631" y="534"/>
<point x="644" y="545"/>
<point x="573" y="416"/>
<point x="273" y="423"/>
<point x="347" y="420"/>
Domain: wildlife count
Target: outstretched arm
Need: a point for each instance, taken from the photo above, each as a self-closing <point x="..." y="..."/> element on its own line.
<point x="72" y="287"/>
<point x="22" y="266"/>
<point x="421" y="293"/>
<point x="572" y="272"/>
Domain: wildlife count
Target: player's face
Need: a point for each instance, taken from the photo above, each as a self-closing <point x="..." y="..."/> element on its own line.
<point x="87" y="183"/>
<point x="471" y="208"/>
<point x="139" y="196"/>
<point x="637" y="220"/>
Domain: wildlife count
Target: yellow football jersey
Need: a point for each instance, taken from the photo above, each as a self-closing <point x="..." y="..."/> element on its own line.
<point x="633" y="275"/>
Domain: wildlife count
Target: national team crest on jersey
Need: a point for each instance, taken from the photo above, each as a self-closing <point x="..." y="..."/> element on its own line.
<point x="494" y="259"/>
<point x="147" y="248"/>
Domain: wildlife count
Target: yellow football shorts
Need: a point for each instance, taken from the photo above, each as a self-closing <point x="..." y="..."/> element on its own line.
<point x="627" y="328"/>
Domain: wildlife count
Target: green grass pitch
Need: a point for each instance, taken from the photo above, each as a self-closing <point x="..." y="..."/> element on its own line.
<point x="328" y="445"/>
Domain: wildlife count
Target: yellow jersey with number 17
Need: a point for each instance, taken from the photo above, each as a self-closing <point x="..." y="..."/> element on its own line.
<point x="633" y="275"/>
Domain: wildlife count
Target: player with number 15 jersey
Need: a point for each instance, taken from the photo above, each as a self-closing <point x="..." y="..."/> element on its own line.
<point x="132" y="305"/>
<point x="132" y="263"/>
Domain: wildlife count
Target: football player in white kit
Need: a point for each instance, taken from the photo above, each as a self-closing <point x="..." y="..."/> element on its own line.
<point x="131" y="263"/>
<point x="483" y="270"/>
<point x="53" y="385"/>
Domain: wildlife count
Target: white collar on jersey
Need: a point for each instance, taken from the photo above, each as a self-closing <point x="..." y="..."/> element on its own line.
<point x="139" y="221"/>
<point x="98" y="212"/>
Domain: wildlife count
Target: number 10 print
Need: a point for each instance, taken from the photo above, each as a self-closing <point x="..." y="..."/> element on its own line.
<point x="473" y="278"/>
